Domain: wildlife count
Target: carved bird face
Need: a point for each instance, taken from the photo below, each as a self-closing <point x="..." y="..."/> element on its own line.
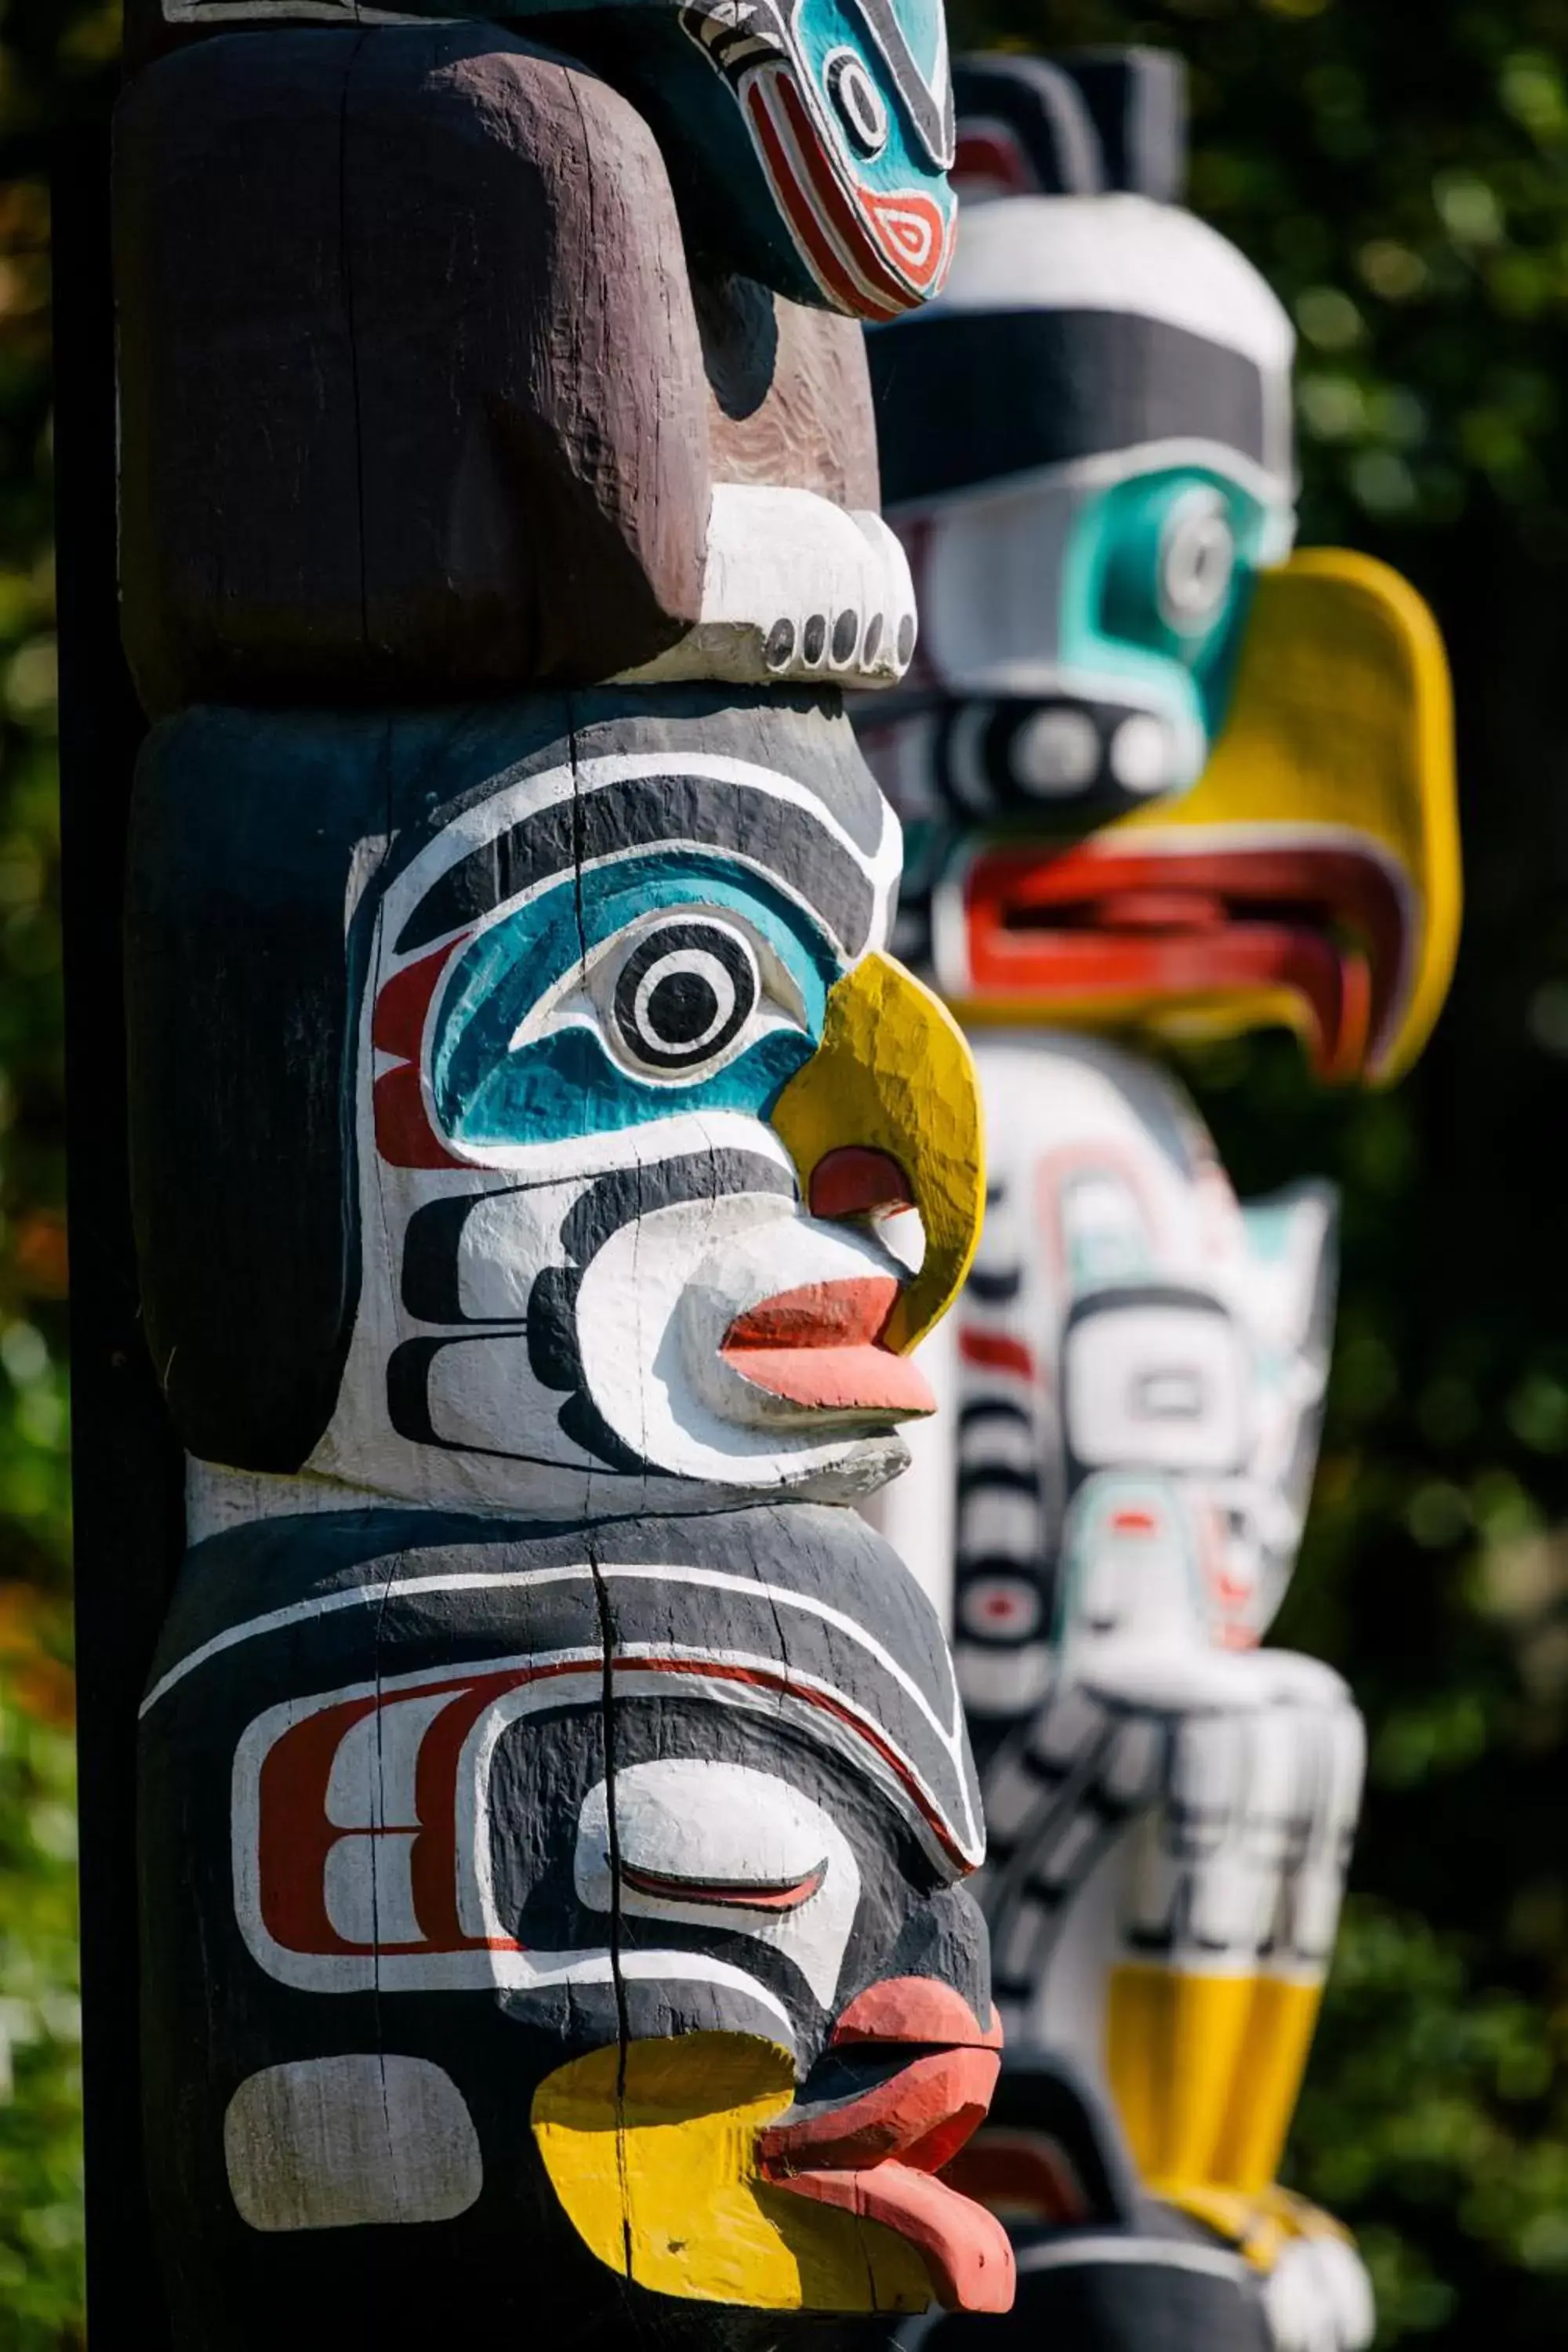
<point x="848" y="105"/>
<point x="1161" y="774"/>
<point x="643" y="1110"/>
<point x="1086" y="541"/>
<point x="613" y="1902"/>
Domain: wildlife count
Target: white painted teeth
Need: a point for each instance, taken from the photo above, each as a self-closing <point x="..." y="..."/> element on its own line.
<point x="796" y="591"/>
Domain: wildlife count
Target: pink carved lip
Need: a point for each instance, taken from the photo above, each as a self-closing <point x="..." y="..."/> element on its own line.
<point x="820" y="1346"/>
<point x="876" y="2154"/>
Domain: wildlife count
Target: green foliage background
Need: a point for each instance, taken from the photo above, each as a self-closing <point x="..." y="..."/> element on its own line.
<point x="1400" y="170"/>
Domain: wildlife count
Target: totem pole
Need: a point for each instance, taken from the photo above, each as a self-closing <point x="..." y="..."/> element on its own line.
<point x="1167" y="781"/>
<point x="554" y="1799"/>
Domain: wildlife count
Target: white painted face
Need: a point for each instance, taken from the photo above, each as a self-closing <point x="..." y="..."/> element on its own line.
<point x="1143" y="1364"/>
<point x="1088" y="452"/>
<point x="588" y="1279"/>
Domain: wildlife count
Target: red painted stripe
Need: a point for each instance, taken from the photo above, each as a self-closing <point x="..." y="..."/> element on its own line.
<point x="998" y="1351"/>
<point x="763" y="1678"/>
<point x="403" y="1003"/>
<point x="823" y="211"/>
<point x="404" y="1135"/>
<point x="729" y="1894"/>
<point x="882" y="271"/>
<point x="826" y="263"/>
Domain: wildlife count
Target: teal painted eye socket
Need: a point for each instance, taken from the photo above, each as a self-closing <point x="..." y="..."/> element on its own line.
<point x="1156" y="589"/>
<point x="883" y="66"/>
<point x="657" y="986"/>
<point x="1177" y="554"/>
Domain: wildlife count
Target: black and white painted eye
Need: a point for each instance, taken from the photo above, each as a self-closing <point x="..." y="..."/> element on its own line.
<point x="685" y="994"/>
<point x="1197" y="561"/>
<point x="1055" y="752"/>
<point x="857" y="101"/>
<point x="702" y="1843"/>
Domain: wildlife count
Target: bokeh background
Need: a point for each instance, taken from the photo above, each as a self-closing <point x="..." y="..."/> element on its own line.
<point x="1399" y="168"/>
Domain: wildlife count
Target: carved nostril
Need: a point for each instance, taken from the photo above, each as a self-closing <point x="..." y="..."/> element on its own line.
<point x="853" y="1181"/>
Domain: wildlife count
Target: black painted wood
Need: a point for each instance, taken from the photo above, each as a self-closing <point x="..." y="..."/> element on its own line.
<point x="126" y="1464"/>
<point x="395" y="435"/>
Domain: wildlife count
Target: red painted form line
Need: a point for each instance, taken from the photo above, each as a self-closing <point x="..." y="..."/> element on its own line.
<point x="998" y="1351"/>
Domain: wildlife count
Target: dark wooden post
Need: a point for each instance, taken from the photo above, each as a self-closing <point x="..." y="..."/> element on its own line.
<point x="555" y="1801"/>
<point x="126" y="1461"/>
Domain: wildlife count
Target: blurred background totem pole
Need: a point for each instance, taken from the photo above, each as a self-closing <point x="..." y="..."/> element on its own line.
<point x="555" y="1801"/>
<point x="1164" y="780"/>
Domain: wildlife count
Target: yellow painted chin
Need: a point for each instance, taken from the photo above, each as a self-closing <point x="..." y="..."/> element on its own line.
<point x="653" y="2154"/>
<point x="894" y="1073"/>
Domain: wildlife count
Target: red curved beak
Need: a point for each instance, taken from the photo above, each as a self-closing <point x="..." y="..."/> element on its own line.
<point x="1157" y="921"/>
<point x="875" y="2153"/>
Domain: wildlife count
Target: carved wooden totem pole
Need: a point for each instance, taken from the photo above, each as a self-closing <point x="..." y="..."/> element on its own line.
<point x="1165" y="780"/>
<point x="555" y="1801"/>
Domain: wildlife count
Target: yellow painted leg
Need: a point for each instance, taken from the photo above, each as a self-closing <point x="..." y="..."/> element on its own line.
<point x="1205" y="2072"/>
<point x="1271" y="2062"/>
<point x="1175" y="2041"/>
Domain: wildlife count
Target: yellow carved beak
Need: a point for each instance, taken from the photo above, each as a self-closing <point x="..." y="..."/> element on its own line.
<point x="893" y="1076"/>
<point x="1341" y="736"/>
<point x="1311" y="877"/>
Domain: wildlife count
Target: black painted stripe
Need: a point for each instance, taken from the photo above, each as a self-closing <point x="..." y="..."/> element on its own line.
<point x="973" y="396"/>
<point x="974" y="1416"/>
<point x="641" y="811"/>
<point x="930" y="113"/>
<point x="998" y="1288"/>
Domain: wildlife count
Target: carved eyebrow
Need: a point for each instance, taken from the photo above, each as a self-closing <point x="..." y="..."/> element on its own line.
<point x="769" y="832"/>
<point x="777" y="1895"/>
<point x="930" y="110"/>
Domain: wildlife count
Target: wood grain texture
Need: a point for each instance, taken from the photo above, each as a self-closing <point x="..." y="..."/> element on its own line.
<point x="392" y="434"/>
<point x="155" y="28"/>
<point x="861" y="225"/>
<point x="390" y="438"/>
<point x="789" y="392"/>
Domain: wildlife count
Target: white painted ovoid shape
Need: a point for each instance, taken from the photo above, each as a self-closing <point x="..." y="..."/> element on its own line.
<point x="723" y="1845"/>
<point x="342" y="2143"/>
<point x="1154" y="1387"/>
